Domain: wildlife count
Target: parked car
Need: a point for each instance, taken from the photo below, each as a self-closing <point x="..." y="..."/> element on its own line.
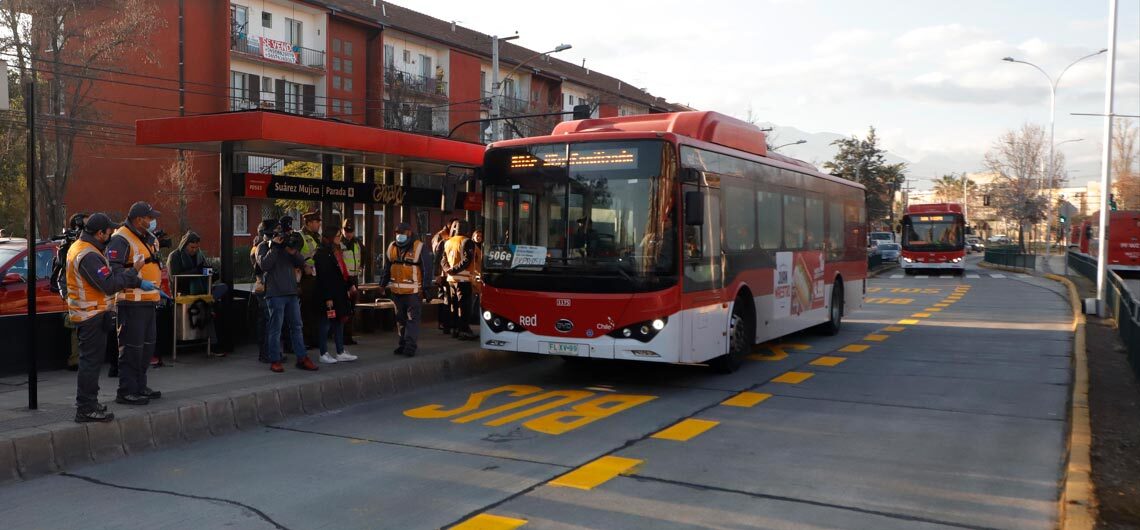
<point x="1000" y="240"/>
<point x="889" y="251"/>
<point x="974" y="244"/>
<point x="14" y="278"/>
<point x="880" y="237"/>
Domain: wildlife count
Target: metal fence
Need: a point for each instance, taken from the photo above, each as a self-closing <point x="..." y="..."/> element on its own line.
<point x="1010" y="256"/>
<point x="874" y="260"/>
<point x="1120" y="303"/>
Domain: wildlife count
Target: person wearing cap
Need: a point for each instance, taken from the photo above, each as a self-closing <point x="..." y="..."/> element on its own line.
<point x="353" y="251"/>
<point x="404" y="278"/>
<point x="459" y="255"/>
<point x="132" y="243"/>
<point x="91" y="286"/>
<point x="265" y="233"/>
<point x="311" y="313"/>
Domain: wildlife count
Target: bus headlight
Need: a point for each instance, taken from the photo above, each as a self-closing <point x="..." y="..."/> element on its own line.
<point x="908" y="260"/>
<point x="642" y="331"/>
<point x="487" y="315"/>
<point x="956" y="260"/>
<point x="499" y="324"/>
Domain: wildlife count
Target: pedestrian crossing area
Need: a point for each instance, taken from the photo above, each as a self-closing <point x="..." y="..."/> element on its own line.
<point x="969" y="276"/>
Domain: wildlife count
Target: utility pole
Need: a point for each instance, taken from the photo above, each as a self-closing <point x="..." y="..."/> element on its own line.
<point x="30" y="283"/>
<point x="496" y="125"/>
<point x="1106" y="161"/>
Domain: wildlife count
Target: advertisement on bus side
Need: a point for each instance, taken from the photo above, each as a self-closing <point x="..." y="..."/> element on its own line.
<point x="798" y="280"/>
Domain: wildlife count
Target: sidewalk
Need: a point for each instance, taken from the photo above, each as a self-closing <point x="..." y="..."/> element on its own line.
<point x="204" y="397"/>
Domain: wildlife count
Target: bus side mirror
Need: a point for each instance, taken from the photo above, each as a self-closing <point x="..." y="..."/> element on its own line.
<point x="694" y="208"/>
<point x="11" y="278"/>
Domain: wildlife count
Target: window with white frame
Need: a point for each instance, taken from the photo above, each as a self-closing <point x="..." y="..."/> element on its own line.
<point x="425" y="66"/>
<point x="294" y="27"/>
<point x="389" y="56"/>
<point x="241" y="220"/>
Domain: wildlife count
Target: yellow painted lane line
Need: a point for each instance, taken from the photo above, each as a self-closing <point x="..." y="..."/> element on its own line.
<point x="921" y="315"/>
<point x="746" y="399"/>
<point x="854" y="348"/>
<point x="908" y="322"/>
<point x="941" y="304"/>
<point x="793" y="378"/>
<point x="685" y="430"/>
<point x="933" y="309"/>
<point x="894" y="329"/>
<point x="876" y="337"/>
<point x="828" y="361"/>
<point x="486" y="521"/>
<point x="597" y="472"/>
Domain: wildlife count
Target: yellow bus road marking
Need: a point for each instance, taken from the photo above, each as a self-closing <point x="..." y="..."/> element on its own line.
<point x="888" y="300"/>
<point x="894" y="329"/>
<point x="876" y="337"/>
<point x="874" y="289"/>
<point x="794" y="346"/>
<point x="828" y="361"/>
<point x="908" y="322"/>
<point x="793" y="378"/>
<point x="746" y="399"/>
<point x="577" y="408"/>
<point x="685" y="430"/>
<point x="933" y="309"/>
<point x="921" y="315"/>
<point x="854" y="348"/>
<point x="597" y="472"/>
<point x="767" y="357"/>
<point x="486" y="521"/>
<point x="915" y="290"/>
<point x="941" y="304"/>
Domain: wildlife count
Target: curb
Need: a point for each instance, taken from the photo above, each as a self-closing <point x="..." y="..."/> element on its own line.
<point x="38" y="451"/>
<point x="1077" y="504"/>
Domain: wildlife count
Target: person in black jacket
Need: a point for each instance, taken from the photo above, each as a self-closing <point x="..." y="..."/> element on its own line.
<point x="331" y="293"/>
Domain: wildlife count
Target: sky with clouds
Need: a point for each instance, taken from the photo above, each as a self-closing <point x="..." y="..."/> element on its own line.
<point x="926" y="73"/>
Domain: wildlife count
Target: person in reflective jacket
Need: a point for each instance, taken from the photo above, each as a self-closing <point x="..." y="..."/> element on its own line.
<point x="404" y="278"/>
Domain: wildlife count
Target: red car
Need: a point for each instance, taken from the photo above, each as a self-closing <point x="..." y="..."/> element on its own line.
<point x="14" y="282"/>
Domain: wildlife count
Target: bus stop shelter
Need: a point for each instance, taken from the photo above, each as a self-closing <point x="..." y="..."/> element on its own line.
<point x="386" y="156"/>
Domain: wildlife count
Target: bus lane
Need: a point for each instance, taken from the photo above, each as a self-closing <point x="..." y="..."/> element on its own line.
<point x="934" y="419"/>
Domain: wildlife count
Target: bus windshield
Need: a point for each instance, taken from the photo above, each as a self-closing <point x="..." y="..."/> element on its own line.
<point x="932" y="232"/>
<point x="596" y="208"/>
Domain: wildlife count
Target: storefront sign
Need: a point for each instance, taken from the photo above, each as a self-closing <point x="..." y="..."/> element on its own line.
<point x="277" y="50"/>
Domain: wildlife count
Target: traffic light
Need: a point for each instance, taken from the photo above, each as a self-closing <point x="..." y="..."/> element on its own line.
<point x="1064" y="220"/>
<point x="1112" y="202"/>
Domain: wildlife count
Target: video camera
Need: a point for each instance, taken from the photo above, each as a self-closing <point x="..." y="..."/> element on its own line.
<point x="164" y="240"/>
<point x="294" y="240"/>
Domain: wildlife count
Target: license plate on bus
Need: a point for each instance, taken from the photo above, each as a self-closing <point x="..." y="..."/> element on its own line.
<point x="562" y="348"/>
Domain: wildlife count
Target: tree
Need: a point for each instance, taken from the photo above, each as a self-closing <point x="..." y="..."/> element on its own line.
<point x="13" y="197"/>
<point x="1018" y="158"/>
<point x="179" y="180"/>
<point x="1125" y="174"/>
<point x="949" y="188"/>
<point x="862" y="161"/>
<point x="65" y="47"/>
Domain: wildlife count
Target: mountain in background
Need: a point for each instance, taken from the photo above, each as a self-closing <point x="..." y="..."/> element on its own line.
<point x="818" y="150"/>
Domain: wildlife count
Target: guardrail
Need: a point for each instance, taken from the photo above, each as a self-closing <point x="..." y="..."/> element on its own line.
<point x="1120" y="303"/>
<point x="1010" y="256"/>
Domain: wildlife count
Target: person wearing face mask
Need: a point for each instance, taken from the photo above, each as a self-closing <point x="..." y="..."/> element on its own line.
<point x="404" y="278"/>
<point x="132" y="243"/>
<point x="91" y="286"/>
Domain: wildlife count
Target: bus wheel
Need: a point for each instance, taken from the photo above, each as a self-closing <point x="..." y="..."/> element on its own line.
<point x="834" y="312"/>
<point x="740" y="342"/>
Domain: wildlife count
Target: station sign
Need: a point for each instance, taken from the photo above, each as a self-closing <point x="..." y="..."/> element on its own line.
<point x="265" y="186"/>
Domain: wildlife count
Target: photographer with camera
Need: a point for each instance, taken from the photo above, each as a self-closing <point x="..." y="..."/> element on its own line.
<point x="279" y="261"/>
<point x="132" y="243"/>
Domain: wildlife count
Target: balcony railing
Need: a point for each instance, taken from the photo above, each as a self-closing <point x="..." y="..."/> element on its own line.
<point x="299" y="55"/>
<point x="237" y="103"/>
<point x="399" y="80"/>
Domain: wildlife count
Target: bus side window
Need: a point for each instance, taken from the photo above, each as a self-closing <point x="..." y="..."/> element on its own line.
<point x="739" y="217"/>
<point x="769" y="219"/>
<point x="815" y="231"/>
<point x="835" y="241"/>
<point x="793" y="222"/>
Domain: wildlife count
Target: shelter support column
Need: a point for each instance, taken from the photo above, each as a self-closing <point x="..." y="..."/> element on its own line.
<point x="327" y="176"/>
<point x="369" y="235"/>
<point x="226" y="246"/>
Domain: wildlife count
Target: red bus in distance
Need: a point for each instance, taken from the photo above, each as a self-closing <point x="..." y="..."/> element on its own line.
<point x="666" y="237"/>
<point x="933" y="237"/>
<point x="1123" y="239"/>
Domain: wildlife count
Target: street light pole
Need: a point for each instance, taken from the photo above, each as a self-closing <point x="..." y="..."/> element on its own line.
<point x="496" y="85"/>
<point x="1052" y="114"/>
<point x="797" y="142"/>
<point x="1106" y="162"/>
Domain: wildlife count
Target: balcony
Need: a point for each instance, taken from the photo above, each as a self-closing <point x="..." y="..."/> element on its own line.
<point x="412" y="84"/>
<point x="278" y="52"/>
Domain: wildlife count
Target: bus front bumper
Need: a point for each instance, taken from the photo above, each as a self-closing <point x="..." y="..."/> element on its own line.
<point x="663" y="347"/>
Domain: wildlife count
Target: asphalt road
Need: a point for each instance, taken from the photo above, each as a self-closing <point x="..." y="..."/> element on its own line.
<point x="942" y="404"/>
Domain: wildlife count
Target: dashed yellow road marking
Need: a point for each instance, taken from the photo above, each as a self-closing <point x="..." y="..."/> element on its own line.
<point x="908" y="322"/>
<point x="597" y="472"/>
<point x="921" y="315"/>
<point x="685" y="430"/>
<point x="888" y="300"/>
<point x="894" y="329"/>
<point x="854" y="348"/>
<point x="874" y="289"/>
<point x="793" y="378"/>
<point x="828" y="361"/>
<point x="486" y="521"/>
<point x="745" y="399"/>
<point x="941" y="304"/>
<point x="933" y="309"/>
<point x="876" y="337"/>
<point x="793" y="346"/>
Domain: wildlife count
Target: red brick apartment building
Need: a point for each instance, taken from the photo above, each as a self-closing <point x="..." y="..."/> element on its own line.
<point x="360" y="61"/>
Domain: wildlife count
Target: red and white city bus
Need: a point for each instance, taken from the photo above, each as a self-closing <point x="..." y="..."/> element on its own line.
<point x="1123" y="240"/>
<point x="933" y="237"/>
<point x="665" y="237"/>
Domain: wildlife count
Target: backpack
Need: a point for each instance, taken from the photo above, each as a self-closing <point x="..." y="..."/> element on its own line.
<point x="58" y="282"/>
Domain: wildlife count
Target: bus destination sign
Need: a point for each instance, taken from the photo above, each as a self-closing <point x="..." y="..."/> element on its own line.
<point x="614" y="158"/>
